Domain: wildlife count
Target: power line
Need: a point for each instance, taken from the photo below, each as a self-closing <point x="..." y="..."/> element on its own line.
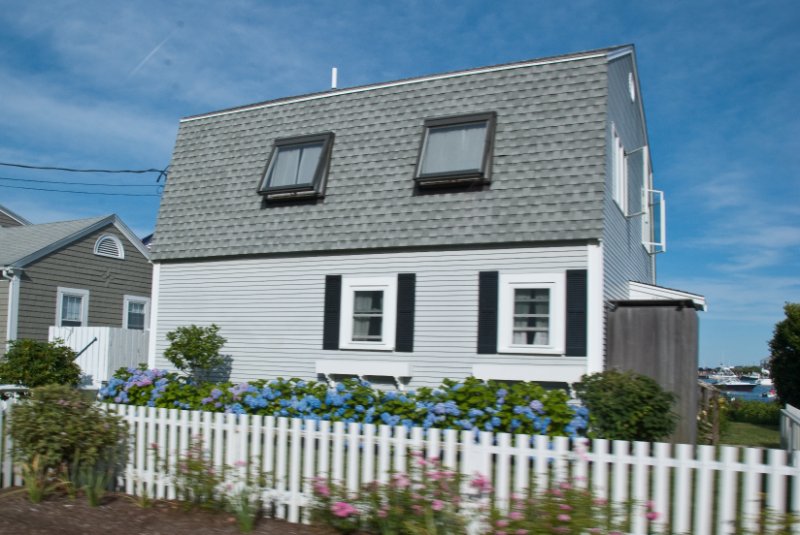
<point x="161" y="172"/>
<point x="82" y="192"/>
<point x="104" y="184"/>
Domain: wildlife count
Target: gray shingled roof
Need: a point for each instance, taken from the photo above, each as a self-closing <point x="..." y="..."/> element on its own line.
<point x="18" y="243"/>
<point x="547" y="179"/>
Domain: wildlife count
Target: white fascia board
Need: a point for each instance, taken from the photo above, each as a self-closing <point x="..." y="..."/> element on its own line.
<point x="156" y="284"/>
<point x="595" y="310"/>
<point x="128" y="233"/>
<point x="16" y="217"/>
<point x="317" y="96"/>
<point x="638" y="291"/>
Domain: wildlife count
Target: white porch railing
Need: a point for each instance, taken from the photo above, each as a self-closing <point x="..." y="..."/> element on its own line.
<point x="114" y="348"/>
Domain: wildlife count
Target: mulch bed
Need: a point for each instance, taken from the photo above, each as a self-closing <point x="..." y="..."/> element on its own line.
<point x="120" y="514"/>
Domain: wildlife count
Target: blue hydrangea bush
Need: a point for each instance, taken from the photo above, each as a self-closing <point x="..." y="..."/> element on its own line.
<point x="470" y="404"/>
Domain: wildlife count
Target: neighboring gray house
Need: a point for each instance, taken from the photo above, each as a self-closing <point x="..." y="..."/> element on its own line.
<point x="478" y="222"/>
<point x="88" y="272"/>
<point x="10" y="219"/>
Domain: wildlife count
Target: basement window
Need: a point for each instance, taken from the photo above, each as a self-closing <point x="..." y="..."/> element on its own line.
<point x="456" y="150"/>
<point x="297" y="167"/>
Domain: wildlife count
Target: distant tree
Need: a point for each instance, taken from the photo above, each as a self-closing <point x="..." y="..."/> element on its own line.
<point x="785" y="356"/>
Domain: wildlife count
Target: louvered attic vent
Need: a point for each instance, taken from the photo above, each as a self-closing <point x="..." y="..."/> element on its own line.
<point x="109" y="246"/>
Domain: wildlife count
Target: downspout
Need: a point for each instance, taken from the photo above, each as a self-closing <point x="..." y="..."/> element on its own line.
<point x="13" y="275"/>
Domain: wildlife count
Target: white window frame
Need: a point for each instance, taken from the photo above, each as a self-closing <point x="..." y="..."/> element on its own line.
<point x="73" y="292"/>
<point x="619" y="171"/>
<point x="350" y="285"/>
<point x="127" y="299"/>
<point x="116" y="240"/>
<point x="556" y="283"/>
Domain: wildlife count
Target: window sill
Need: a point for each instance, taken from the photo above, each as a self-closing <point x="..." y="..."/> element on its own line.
<point x="556" y="370"/>
<point x="528" y="350"/>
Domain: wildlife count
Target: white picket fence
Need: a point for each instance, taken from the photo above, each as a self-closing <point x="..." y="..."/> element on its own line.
<point x="702" y="489"/>
<point x="790" y="428"/>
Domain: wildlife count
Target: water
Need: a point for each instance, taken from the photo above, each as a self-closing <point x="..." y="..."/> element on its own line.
<point x="758" y="394"/>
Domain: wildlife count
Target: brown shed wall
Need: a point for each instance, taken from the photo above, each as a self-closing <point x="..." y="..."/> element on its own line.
<point x="659" y="339"/>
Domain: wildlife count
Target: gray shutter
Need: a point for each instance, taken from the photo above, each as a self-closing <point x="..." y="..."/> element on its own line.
<point x="333" y="300"/>
<point x="487" y="312"/>
<point x="576" y="313"/>
<point x="404" y="335"/>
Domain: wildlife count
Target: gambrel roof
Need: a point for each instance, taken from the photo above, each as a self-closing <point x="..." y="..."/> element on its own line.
<point x="547" y="183"/>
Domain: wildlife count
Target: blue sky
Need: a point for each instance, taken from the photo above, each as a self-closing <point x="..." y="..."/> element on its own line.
<point x="102" y="84"/>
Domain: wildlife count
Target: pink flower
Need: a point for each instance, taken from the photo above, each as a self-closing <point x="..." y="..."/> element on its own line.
<point x="501" y="523"/>
<point x="240" y="464"/>
<point x="383" y="513"/>
<point x="649" y="504"/>
<point x="600" y="501"/>
<point x="343" y="509"/>
<point x="651" y="515"/>
<point x="321" y="487"/>
<point x="481" y="483"/>
<point x="515" y="515"/>
<point x="417" y="509"/>
<point x="565" y="507"/>
<point x="522" y="532"/>
<point x="401" y="481"/>
<point x="154" y="445"/>
<point x="437" y="505"/>
<point x="564" y="518"/>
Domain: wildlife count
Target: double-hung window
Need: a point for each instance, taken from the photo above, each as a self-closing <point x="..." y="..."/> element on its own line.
<point x="297" y="167"/>
<point x="531" y="311"/>
<point x="456" y="150"/>
<point x="368" y="313"/>
<point x="72" y="307"/>
<point x="136" y="312"/>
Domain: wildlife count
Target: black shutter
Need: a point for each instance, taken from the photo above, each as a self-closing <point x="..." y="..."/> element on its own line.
<point x="576" y="313"/>
<point x="404" y="335"/>
<point x="487" y="312"/>
<point x="333" y="300"/>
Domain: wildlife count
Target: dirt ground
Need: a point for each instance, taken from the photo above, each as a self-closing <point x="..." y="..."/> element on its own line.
<point x="122" y="515"/>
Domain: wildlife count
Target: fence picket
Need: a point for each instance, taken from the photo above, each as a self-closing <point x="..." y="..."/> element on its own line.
<point x="728" y="477"/>
<point x="683" y="484"/>
<point x="353" y="455"/>
<point x="752" y="489"/>
<point x="295" y="468"/>
<point x="640" y="495"/>
<point x="368" y="454"/>
<point x="384" y="453"/>
<point x="661" y="479"/>
<point x="703" y="491"/>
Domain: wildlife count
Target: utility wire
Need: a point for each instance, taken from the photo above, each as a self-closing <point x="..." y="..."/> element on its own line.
<point x="161" y="172"/>
<point x="106" y="185"/>
<point x="83" y="192"/>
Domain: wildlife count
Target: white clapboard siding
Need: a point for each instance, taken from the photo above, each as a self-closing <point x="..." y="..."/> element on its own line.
<point x="699" y="489"/>
<point x="115" y="348"/>
<point x="270" y="310"/>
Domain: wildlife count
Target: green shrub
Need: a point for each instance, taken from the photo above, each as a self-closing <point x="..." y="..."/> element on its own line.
<point x="784" y="360"/>
<point x="57" y="434"/>
<point x="33" y="363"/>
<point x="195" y="350"/>
<point x="627" y="406"/>
<point x="754" y="412"/>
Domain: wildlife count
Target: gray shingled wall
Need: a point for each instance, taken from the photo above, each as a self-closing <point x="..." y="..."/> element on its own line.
<point x="547" y="180"/>
<point x="76" y="266"/>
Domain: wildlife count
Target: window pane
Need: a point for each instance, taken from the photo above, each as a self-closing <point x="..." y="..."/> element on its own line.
<point x="368" y="316"/>
<point x="531" y="316"/>
<point x="136" y="315"/>
<point x="71" y="310"/>
<point x="295" y="164"/>
<point x="454" y="148"/>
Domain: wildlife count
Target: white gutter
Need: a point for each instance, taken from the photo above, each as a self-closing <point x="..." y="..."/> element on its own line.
<point x="14" y="281"/>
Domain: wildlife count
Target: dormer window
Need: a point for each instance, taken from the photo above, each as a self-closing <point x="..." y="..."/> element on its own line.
<point x="109" y="245"/>
<point x="297" y="167"/>
<point x="456" y="150"/>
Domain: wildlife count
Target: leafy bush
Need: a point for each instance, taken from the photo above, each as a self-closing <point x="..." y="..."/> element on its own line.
<point x="195" y="350"/>
<point x="785" y="356"/>
<point x="754" y="412"/>
<point x="56" y="433"/>
<point x="627" y="406"/>
<point x="466" y="405"/>
<point x="33" y="363"/>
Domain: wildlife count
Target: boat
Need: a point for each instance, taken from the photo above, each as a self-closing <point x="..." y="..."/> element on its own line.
<point x="724" y="379"/>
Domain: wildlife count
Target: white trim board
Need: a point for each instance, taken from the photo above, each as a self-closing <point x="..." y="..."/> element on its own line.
<point x="639" y="291"/>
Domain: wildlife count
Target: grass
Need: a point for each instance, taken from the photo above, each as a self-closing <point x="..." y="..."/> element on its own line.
<point x="752" y="435"/>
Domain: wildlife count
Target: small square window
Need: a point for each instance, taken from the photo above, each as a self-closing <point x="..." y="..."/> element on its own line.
<point x="369" y="313"/>
<point x="136" y="312"/>
<point x="297" y="167"/>
<point x="72" y="307"/>
<point x="531" y="313"/>
<point x="456" y="150"/>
